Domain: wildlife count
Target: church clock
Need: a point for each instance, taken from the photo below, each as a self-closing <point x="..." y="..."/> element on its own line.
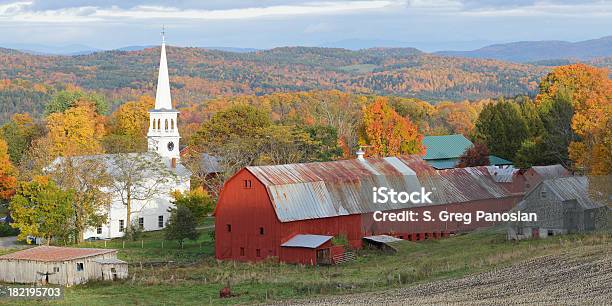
<point x="170" y="146"/>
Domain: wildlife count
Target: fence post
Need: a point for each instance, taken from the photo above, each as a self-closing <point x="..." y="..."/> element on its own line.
<point x="104" y="243"/>
<point x="142" y="244"/>
<point x="162" y="244"/>
<point x="124" y="244"/>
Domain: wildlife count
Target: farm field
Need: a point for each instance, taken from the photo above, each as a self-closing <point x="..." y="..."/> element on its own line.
<point x="434" y="268"/>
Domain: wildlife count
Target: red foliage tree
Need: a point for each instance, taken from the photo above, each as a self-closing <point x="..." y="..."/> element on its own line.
<point x="477" y="155"/>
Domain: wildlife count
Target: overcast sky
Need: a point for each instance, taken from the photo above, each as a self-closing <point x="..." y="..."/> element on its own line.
<point x="429" y="25"/>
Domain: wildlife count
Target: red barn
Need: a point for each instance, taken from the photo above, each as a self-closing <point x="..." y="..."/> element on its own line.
<point x="292" y="211"/>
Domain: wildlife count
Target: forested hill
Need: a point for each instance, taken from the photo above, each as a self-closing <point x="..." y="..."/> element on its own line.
<point x="26" y="80"/>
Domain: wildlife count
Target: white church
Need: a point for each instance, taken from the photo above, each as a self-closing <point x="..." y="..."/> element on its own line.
<point x="163" y="147"/>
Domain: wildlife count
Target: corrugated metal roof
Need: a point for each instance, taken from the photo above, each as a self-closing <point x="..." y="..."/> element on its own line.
<point x="502" y="175"/>
<point x="382" y="238"/>
<point x="306" y="241"/>
<point x="573" y="188"/>
<point x="445" y="146"/>
<point x="551" y="171"/>
<point x="330" y="189"/>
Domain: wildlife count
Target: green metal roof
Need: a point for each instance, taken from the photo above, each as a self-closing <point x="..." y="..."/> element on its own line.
<point x="450" y="163"/>
<point x="445" y="147"/>
<point x="498" y="161"/>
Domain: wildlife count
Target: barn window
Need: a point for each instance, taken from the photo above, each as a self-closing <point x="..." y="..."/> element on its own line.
<point x="247" y="184"/>
<point x="79" y="266"/>
<point x="543" y="194"/>
<point x="141" y="223"/>
<point x="99" y="230"/>
<point x="258" y="252"/>
<point x="121" y="226"/>
<point x="229" y="228"/>
<point x="551" y="233"/>
<point x="55" y="269"/>
<point x="261" y="230"/>
<point x="241" y="251"/>
<point x="160" y="221"/>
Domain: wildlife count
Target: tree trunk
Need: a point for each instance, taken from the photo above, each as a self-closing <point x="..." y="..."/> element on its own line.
<point x="128" y="224"/>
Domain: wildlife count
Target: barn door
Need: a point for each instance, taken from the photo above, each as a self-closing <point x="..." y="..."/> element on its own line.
<point x="535" y="233"/>
<point x="323" y="257"/>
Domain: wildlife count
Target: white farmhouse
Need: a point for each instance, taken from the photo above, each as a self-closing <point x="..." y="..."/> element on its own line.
<point x="150" y="212"/>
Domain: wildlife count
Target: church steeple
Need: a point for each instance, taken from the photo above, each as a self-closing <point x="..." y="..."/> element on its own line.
<point x="163" y="136"/>
<point x="163" y="99"/>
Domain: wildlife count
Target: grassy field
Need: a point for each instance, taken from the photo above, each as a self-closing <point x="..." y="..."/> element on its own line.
<point x="197" y="277"/>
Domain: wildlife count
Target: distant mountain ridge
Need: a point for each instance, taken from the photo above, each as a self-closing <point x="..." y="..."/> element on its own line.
<point x="533" y="51"/>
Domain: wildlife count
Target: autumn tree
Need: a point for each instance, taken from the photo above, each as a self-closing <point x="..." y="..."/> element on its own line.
<point x="128" y="127"/>
<point x="590" y="89"/>
<point x="387" y="132"/>
<point x="88" y="179"/>
<point x="8" y="179"/>
<point x="198" y="201"/>
<point x="76" y="131"/>
<point x="40" y="208"/>
<point x="19" y="133"/>
<point x="476" y="155"/>
<point x="502" y="128"/>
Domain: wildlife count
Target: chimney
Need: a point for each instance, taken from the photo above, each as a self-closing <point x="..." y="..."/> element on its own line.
<point x="360" y="154"/>
<point x="173" y="162"/>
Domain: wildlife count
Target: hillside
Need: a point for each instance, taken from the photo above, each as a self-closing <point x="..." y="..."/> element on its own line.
<point x="531" y="51"/>
<point x="198" y="74"/>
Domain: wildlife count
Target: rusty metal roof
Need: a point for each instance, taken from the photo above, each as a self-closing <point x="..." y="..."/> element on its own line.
<point x="551" y="171"/>
<point x="53" y="253"/>
<point x="329" y="189"/>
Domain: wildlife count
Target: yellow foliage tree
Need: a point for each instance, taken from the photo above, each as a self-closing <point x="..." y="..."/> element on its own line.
<point x="76" y="131"/>
<point x="591" y="92"/>
<point x="129" y="125"/>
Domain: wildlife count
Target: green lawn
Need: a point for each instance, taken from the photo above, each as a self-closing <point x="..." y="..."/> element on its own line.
<point x="199" y="277"/>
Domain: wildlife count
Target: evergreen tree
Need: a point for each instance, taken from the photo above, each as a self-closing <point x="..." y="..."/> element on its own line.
<point x="181" y="225"/>
<point x="502" y="128"/>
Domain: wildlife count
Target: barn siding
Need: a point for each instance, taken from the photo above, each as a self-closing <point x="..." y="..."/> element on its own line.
<point x="26" y="271"/>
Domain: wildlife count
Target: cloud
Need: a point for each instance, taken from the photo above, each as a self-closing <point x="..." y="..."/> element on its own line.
<point x="26" y="11"/>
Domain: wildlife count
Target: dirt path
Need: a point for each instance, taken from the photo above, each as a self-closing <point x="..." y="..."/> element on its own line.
<point x="576" y="278"/>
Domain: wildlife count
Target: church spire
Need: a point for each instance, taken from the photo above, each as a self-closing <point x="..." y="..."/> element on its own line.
<point x="163" y="99"/>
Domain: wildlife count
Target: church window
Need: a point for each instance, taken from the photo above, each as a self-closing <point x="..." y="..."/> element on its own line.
<point x="159" y="124"/>
<point x="153" y="123"/>
<point x="172" y="124"/>
<point x="99" y="230"/>
<point x="166" y="124"/>
<point x="121" y="226"/>
<point x="160" y="221"/>
<point x="141" y="223"/>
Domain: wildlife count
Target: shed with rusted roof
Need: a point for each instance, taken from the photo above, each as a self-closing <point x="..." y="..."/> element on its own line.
<point x="536" y="174"/>
<point x="61" y="266"/>
<point x="261" y="208"/>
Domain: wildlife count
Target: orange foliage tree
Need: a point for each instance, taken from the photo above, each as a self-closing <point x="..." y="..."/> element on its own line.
<point x="591" y="94"/>
<point x="388" y="133"/>
<point x="8" y="181"/>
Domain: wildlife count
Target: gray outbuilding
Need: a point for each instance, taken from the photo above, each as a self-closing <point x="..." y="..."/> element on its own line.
<point x="61" y="266"/>
<point x="562" y="205"/>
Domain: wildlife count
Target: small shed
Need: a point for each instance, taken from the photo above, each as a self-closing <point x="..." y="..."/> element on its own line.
<point x="61" y="266"/>
<point x="309" y="249"/>
<point x="562" y="206"/>
<point x="383" y="242"/>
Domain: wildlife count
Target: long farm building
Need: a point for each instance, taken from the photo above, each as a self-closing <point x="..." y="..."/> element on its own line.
<point x="292" y="211"/>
